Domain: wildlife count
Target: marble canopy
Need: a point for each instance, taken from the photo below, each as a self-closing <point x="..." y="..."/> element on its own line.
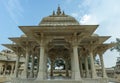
<point x="60" y="36"/>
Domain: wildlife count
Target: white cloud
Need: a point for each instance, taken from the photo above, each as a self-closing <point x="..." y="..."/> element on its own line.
<point x="85" y="18"/>
<point x="103" y="12"/>
<point x="108" y="16"/>
<point x="106" y="13"/>
<point x="88" y="19"/>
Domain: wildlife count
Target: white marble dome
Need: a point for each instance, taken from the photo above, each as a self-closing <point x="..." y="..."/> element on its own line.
<point x="58" y="19"/>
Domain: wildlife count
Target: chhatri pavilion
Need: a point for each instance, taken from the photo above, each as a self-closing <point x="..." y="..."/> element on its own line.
<point x="59" y="37"/>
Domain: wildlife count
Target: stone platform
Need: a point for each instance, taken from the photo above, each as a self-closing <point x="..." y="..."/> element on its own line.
<point x="89" y="80"/>
<point x="2" y="79"/>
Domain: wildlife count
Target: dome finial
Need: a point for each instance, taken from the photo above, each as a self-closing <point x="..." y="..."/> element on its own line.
<point x="58" y="10"/>
<point x="63" y="13"/>
<point x="53" y="13"/>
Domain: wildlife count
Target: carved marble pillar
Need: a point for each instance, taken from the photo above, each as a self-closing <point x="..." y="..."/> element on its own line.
<point x="66" y="67"/>
<point x="76" y="62"/>
<point x="2" y="70"/>
<point x="102" y="65"/>
<point x="5" y="66"/>
<point x="72" y="66"/>
<point x="38" y="57"/>
<point x="86" y="66"/>
<point x="51" y="70"/>
<point x="41" y="62"/>
<point x="12" y="69"/>
<point x="33" y="62"/>
<point x="25" y="71"/>
<point x="93" y="70"/>
<point x="32" y="66"/>
<point x="81" y="67"/>
<point x="16" y="65"/>
<point x="45" y="65"/>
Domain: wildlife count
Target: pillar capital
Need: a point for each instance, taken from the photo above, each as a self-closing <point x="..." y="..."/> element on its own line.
<point x="91" y="47"/>
<point x="101" y="50"/>
<point x="75" y="44"/>
<point x="100" y="53"/>
<point x="42" y="44"/>
<point x="74" y="39"/>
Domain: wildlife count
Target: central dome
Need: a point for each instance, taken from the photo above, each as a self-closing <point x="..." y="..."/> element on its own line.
<point x="58" y="19"/>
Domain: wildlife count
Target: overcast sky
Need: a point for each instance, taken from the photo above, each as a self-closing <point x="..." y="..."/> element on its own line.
<point x="106" y="13"/>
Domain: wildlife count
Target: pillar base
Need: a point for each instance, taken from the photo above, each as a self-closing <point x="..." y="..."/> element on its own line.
<point x="24" y="75"/>
<point x="105" y="77"/>
<point x="41" y="76"/>
<point x="73" y="75"/>
<point x="77" y="76"/>
<point x="94" y="77"/>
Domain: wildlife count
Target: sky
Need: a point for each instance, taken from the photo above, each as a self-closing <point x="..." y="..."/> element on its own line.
<point x="105" y="13"/>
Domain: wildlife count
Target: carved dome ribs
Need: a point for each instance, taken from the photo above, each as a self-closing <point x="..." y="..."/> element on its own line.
<point x="58" y="21"/>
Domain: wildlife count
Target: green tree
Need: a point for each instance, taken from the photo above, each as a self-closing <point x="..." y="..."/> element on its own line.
<point x="117" y="46"/>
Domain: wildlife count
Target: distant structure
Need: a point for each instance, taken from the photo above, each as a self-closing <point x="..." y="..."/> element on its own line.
<point x="117" y="67"/>
<point x="110" y="72"/>
<point x="7" y="63"/>
<point x="59" y="38"/>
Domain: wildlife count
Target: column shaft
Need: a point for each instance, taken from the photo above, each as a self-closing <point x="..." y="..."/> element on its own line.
<point x="4" y="73"/>
<point x="102" y="65"/>
<point x="16" y="66"/>
<point x="41" y="63"/>
<point x="93" y="70"/>
<point x="51" y="70"/>
<point x="81" y="67"/>
<point x="86" y="66"/>
<point x="76" y="63"/>
<point x="25" y="71"/>
<point x="72" y="67"/>
<point x="12" y="68"/>
<point x="45" y="65"/>
<point x="32" y="67"/>
<point x="66" y="67"/>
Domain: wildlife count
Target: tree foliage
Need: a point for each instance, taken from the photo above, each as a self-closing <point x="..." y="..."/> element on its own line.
<point x="116" y="47"/>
